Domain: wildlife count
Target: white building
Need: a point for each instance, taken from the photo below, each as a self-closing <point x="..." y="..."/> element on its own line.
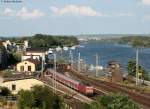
<point x="26" y="44"/>
<point x="24" y="57"/>
<point x="16" y="85"/>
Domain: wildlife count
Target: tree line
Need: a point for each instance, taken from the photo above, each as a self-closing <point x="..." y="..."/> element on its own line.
<point x="43" y="40"/>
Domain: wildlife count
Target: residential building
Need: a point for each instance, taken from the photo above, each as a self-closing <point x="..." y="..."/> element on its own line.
<point x="29" y="65"/>
<point x="37" y="51"/>
<point x="24" y="57"/>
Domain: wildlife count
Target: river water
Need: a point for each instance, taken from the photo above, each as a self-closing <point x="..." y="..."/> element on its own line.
<point x="112" y="52"/>
<point x="108" y="52"/>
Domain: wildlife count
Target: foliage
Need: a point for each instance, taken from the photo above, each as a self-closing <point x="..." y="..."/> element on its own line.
<point x="136" y="41"/>
<point x="94" y="105"/>
<point x="113" y="101"/>
<point x="7" y="73"/>
<point x="26" y="99"/>
<point x="132" y="70"/>
<point x="40" y="97"/>
<point x="4" y="91"/>
<point x="42" y="40"/>
<point x="4" y="56"/>
<point x="14" y="58"/>
<point x="118" y="101"/>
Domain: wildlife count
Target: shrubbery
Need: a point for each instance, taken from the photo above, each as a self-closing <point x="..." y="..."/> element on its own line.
<point x="39" y="97"/>
<point x="113" y="101"/>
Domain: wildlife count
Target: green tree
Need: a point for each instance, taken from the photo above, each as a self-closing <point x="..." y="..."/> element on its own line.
<point x="26" y="99"/>
<point x="117" y="101"/>
<point x="4" y="91"/>
<point x="43" y="97"/>
<point x="112" y="101"/>
<point x="40" y="97"/>
<point x="132" y="70"/>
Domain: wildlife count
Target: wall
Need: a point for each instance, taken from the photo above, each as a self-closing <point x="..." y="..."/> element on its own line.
<point x="26" y="64"/>
<point x="25" y="84"/>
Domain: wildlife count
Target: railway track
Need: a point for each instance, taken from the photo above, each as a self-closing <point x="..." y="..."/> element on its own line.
<point x="112" y="87"/>
<point x="65" y="90"/>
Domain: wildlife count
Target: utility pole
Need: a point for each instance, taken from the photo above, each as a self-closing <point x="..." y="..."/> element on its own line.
<point x="54" y="74"/>
<point x="137" y="67"/>
<point x="79" y="62"/>
<point x="71" y="58"/>
<point x="97" y="62"/>
<point x="42" y="63"/>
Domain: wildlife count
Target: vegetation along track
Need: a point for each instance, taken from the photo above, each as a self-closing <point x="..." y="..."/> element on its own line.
<point x="112" y="87"/>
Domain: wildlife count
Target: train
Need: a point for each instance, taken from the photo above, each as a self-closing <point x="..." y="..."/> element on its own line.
<point x="81" y="87"/>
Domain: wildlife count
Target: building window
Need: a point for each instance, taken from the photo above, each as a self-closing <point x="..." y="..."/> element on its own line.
<point x="13" y="87"/>
<point x="21" y="68"/>
<point x="29" y="68"/>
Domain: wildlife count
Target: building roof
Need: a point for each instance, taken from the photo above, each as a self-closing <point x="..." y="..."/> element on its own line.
<point x="37" y="49"/>
<point x="34" y="61"/>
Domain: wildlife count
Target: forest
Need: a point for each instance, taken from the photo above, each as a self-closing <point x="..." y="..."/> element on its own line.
<point x="43" y="40"/>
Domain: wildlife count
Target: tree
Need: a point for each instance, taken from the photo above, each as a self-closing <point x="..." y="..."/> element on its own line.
<point x="112" y="101"/>
<point x="43" y="97"/>
<point x="132" y="70"/>
<point x="14" y="58"/>
<point x="4" y="91"/>
<point x="40" y="97"/>
<point x="117" y="101"/>
<point x="26" y="99"/>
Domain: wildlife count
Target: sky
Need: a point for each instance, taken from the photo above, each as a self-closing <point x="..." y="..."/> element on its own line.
<point x="73" y="17"/>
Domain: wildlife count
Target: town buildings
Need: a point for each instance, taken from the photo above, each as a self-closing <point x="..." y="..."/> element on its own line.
<point x="29" y="65"/>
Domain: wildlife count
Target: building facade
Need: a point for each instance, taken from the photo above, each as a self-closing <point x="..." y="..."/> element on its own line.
<point x="16" y="85"/>
<point x="28" y="65"/>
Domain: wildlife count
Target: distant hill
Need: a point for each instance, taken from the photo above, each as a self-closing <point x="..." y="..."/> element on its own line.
<point x="108" y="35"/>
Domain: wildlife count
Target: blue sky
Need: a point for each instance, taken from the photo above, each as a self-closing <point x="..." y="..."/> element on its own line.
<point x="65" y="17"/>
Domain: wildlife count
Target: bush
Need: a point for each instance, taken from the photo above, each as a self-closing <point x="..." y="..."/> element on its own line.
<point x="26" y="99"/>
<point x="5" y="91"/>
<point x="39" y="97"/>
<point x="118" y="101"/>
<point x="113" y="101"/>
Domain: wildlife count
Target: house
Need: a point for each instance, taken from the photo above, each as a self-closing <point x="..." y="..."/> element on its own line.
<point x="41" y="51"/>
<point x="24" y="57"/>
<point x="29" y="65"/>
<point x="37" y="51"/>
<point x="16" y="85"/>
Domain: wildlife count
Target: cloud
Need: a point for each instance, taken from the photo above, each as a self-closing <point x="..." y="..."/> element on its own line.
<point x="146" y="2"/>
<point x="75" y="10"/>
<point x="23" y="13"/>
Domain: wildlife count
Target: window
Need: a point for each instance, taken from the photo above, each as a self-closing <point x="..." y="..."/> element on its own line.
<point x="21" y="68"/>
<point x="13" y="87"/>
<point x="29" y="68"/>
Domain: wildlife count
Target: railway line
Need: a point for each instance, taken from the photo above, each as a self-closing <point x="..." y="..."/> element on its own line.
<point x="62" y="89"/>
<point x="112" y="87"/>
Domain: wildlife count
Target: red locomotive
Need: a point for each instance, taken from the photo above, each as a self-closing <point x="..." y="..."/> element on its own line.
<point x="78" y="86"/>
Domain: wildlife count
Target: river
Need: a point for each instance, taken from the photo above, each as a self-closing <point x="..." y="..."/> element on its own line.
<point x="112" y="52"/>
